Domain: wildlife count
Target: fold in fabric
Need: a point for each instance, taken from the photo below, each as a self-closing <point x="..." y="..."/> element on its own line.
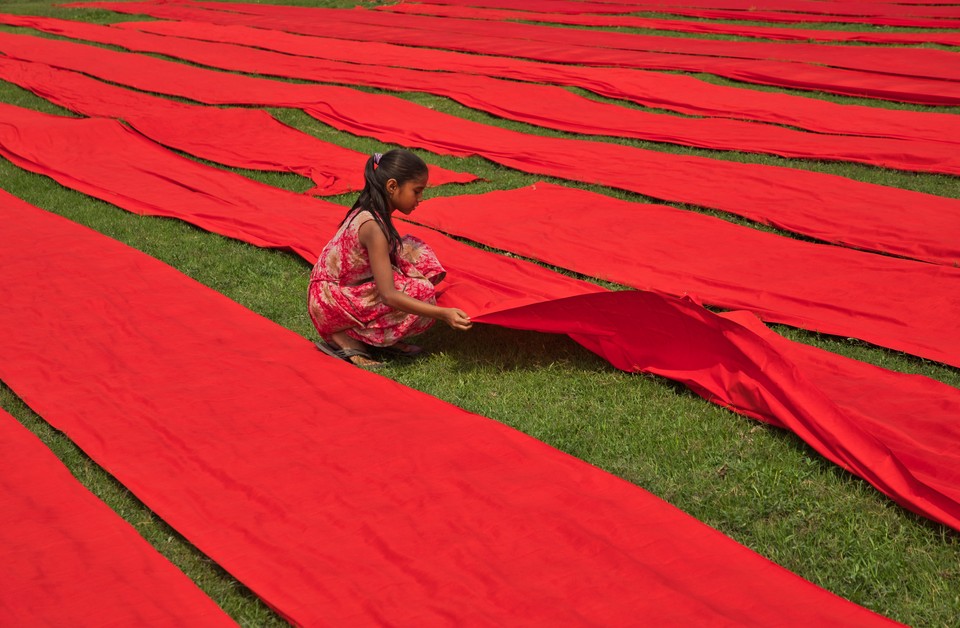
<point x="900" y="304"/>
<point x="242" y="138"/>
<point x="825" y="207"/>
<point x="271" y="458"/>
<point x="753" y="14"/>
<point x="564" y="45"/>
<point x="68" y="560"/>
<point x="552" y="107"/>
<point x="680" y="26"/>
<point x="719" y="359"/>
<point x="674" y="92"/>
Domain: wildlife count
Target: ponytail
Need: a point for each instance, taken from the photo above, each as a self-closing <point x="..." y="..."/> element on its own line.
<point x="398" y="164"/>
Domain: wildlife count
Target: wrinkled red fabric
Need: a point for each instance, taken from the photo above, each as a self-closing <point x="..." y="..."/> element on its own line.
<point x="550" y="106"/>
<point x="816" y="7"/>
<point x="563" y="45"/>
<point x="68" y="560"/>
<point x="242" y="138"/>
<point x="676" y="338"/>
<point x="826" y="207"/>
<point x="271" y="458"/>
<point x="800" y="18"/>
<point x="681" y="26"/>
<point x="675" y="92"/>
<point x="901" y="304"/>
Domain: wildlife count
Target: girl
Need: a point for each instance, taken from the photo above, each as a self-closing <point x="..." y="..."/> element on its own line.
<point x="370" y="286"/>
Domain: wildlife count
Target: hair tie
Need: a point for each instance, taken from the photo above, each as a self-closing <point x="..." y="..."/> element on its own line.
<point x="376" y="160"/>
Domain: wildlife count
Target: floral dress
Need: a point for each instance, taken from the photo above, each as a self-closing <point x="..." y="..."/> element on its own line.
<point x="343" y="295"/>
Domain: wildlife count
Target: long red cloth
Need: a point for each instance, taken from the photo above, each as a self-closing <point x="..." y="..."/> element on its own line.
<point x="901" y="304"/>
<point x="905" y="61"/>
<point x="753" y="14"/>
<point x="272" y="459"/>
<point x="548" y="106"/>
<point x="548" y="46"/>
<point x="242" y="138"/>
<point x="723" y="361"/>
<point x="68" y="560"/>
<point x="675" y="92"/>
<point x="826" y="207"/>
<point x="815" y="7"/>
<point x="681" y="26"/>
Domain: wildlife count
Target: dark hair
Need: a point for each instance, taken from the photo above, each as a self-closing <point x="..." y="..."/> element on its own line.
<point x="398" y="164"/>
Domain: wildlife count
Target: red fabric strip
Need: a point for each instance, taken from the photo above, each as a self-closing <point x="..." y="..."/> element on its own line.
<point x="817" y="7"/>
<point x="674" y="92"/>
<point x="552" y="107"/>
<point x="718" y="359"/>
<point x="243" y="138"/>
<point x="939" y="64"/>
<point x="750" y="13"/>
<point x="900" y="304"/>
<point x="565" y="45"/>
<point x="68" y="560"/>
<point x="681" y="26"/>
<point x="270" y="458"/>
<point x="825" y="207"/>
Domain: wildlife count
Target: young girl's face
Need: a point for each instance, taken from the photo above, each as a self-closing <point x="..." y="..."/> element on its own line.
<point x="406" y="197"/>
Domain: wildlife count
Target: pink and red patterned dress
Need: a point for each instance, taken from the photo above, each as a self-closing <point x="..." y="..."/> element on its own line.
<point x="343" y="295"/>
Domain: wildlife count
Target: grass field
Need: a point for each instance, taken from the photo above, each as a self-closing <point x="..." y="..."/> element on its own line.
<point x="759" y="485"/>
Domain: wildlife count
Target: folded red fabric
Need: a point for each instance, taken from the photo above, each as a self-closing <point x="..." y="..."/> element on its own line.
<point x="826" y="207"/>
<point x="68" y="560"/>
<point x="271" y="458"/>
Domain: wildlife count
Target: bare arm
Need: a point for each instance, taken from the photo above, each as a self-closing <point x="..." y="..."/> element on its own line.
<point x="378" y="249"/>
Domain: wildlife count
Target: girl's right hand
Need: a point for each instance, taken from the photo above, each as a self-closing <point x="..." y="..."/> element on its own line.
<point x="457" y="319"/>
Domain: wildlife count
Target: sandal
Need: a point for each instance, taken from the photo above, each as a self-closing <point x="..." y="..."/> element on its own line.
<point x="347" y="354"/>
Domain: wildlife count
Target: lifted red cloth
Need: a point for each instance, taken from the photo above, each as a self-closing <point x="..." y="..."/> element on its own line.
<point x="273" y="460"/>
<point x="826" y="207"/>
<point x="68" y="560"/>
<point x="549" y="106"/>
<point x="675" y="92"/>
<point x="723" y="361"/>
<point x="681" y="26"/>
<point x="851" y="70"/>
<point x="901" y="304"/>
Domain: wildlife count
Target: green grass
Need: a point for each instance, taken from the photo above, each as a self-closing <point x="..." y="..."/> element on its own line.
<point x="760" y="485"/>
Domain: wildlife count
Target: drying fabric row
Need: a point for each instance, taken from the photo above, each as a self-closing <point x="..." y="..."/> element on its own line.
<point x="893" y="303"/>
<point x="887" y="77"/>
<point x="732" y="361"/>
<point x="826" y="207"/>
<point x="271" y="459"/>
<point x="868" y="13"/>
<point x="682" y="94"/>
<point x="681" y="26"/>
